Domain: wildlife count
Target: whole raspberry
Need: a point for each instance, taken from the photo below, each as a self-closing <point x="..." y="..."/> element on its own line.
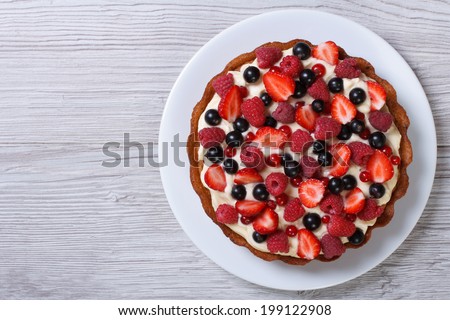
<point x="300" y="141"/>
<point x="278" y="242"/>
<point x="348" y="68"/>
<point x="332" y="204"/>
<point x="361" y="152"/>
<point x="293" y="210"/>
<point x="226" y="213"/>
<point x="291" y="66"/>
<point x="284" y="113"/>
<point x="223" y="84"/>
<point x="253" y="111"/>
<point x="340" y="226"/>
<point x="370" y="210"/>
<point x="331" y="246"/>
<point x="210" y="137"/>
<point x="319" y="90"/>
<point x="310" y="166"/>
<point x="252" y="157"/>
<point x="380" y="120"/>
<point x="326" y="128"/>
<point x="267" y="56"/>
<point x="276" y="183"/>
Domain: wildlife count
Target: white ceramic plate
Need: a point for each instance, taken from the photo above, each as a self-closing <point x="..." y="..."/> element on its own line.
<point x="283" y="26"/>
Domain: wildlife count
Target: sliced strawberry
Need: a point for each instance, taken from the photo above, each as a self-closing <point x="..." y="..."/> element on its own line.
<point x="306" y="117"/>
<point x="342" y="109"/>
<point x="327" y="51"/>
<point x="230" y="106"/>
<point x="308" y="245"/>
<point x="215" y="178"/>
<point x="279" y="86"/>
<point x="354" y="201"/>
<point x="377" y="95"/>
<point x="270" y="137"/>
<point x="267" y="222"/>
<point x="341" y="159"/>
<point x="249" y="208"/>
<point x="311" y="192"/>
<point x="247" y="175"/>
<point x="379" y="167"/>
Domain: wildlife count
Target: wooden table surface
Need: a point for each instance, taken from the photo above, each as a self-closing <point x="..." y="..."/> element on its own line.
<point x="77" y="74"/>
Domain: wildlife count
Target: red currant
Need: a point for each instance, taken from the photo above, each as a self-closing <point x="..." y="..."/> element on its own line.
<point x="271" y="204"/>
<point x="319" y="69"/>
<point x="246" y="220"/>
<point x="326" y="219"/>
<point x="275" y="69"/>
<point x="395" y="160"/>
<point x="250" y="136"/>
<point x="296" y="181"/>
<point x="244" y="91"/>
<point x="364" y="176"/>
<point x="282" y="199"/>
<point x="365" y="134"/>
<point x="360" y="116"/>
<point x="387" y="150"/>
<point x="299" y="104"/>
<point x="325" y="181"/>
<point x="291" y="231"/>
<point x="230" y="152"/>
<point x="351" y="217"/>
<point x="274" y="160"/>
<point x="286" y="129"/>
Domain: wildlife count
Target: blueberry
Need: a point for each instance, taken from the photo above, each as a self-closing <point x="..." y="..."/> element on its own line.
<point x="212" y="117"/>
<point x="312" y="221"/>
<point x="241" y="125"/>
<point x="270" y="122"/>
<point x="301" y="50"/>
<point x="234" y="139"/>
<point x="307" y="77"/>
<point x="266" y="99"/>
<point x="336" y="85"/>
<point x="285" y="157"/>
<point x="251" y="74"/>
<point x="318" y="105"/>
<point x="357" y="96"/>
<point x="238" y="192"/>
<point x="335" y="185"/>
<point x="357" y="237"/>
<point x="215" y="154"/>
<point x="357" y="126"/>
<point x="377" y="190"/>
<point x="346" y="132"/>
<point x="349" y="182"/>
<point x="377" y="140"/>
<point x="300" y="90"/>
<point x="259" y="238"/>
<point x="319" y="146"/>
<point x="325" y="159"/>
<point x="260" y="192"/>
<point x="291" y="168"/>
<point x="230" y="166"/>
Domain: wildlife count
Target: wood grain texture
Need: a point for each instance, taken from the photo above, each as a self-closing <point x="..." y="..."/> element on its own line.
<point x="77" y="74"/>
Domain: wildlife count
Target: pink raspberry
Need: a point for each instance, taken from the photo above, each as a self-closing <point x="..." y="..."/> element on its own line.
<point x="310" y="166"/>
<point x="223" y="84"/>
<point x="253" y="111"/>
<point x="319" y="90"/>
<point x="276" y="183"/>
<point x="348" y="68"/>
<point x="267" y="56"/>
<point x="326" y="128"/>
<point x="331" y="246"/>
<point x="370" y="210"/>
<point x="210" y="137"/>
<point x="252" y="157"/>
<point x="293" y="210"/>
<point x="332" y="204"/>
<point x="361" y="152"/>
<point x="301" y="140"/>
<point x="226" y="213"/>
<point x="284" y="113"/>
<point x="380" y="120"/>
<point x="291" y="66"/>
<point x="340" y="226"/>
<point x="278" y="242"/>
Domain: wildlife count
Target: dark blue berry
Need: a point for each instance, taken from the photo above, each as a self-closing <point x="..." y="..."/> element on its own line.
<point x="238" y="192"/>
<point x="346" y="132"/>
<point x="335" y="185"/>
<point x="377" y="190"/>
<point x="270" y="122"/>
<point x="230" y="166"/>
<point x="319" y="146"/>
<point x="318" y="105"/>
<point x="357" y="96"/>
<point x="301" y="50"/>
<point x="357" y="126"/>
<point x="357" y="237"/>
<point x="312" y="221"/>
<point x="259" y="238"/>
<point x="285" y="157"/>
<point x="336" y="85"/>
<point x="266" y="99"/>
<point x="234" y="139"/>
<point x="349" y="182"/>
<point x="307" y="77"/>
<point x="291" y="168"/>
<point x="215" y="154"/>
<point x="241" y="125"/>
<point x="377" y="140"/>
<point x="300" y="90"/>
<point x="212" y="117"/>
<point x="325" y="159"/>
<point x="251" y="74"/>
<point x="260" y="192"/>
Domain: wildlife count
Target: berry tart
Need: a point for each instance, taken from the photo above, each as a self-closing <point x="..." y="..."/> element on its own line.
<point x="298" y="151"/>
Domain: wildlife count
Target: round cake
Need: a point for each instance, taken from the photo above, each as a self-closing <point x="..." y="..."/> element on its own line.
<point x="298" y="151"/>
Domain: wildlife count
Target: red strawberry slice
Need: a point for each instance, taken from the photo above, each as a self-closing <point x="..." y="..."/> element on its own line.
<point x="215" y="178"/>
<point x="306" y="117"/>
<point x="354" y="201"/>
<point x="270" y="137"/>
<point x="267" y="222"/>
<point x="327" y="51"/>
<point x="311" y="192"/>
<point x="249" y="208"/>
<point x="379" y="167"/>
<point x="247" y="175"/>
<point x="342" y="109"/>
<point x="279" y="86"/>
<point x="230" y="106"/>
<point x="308" y="245"/>
<point x="377" y="95"/>
<point x="341" y="159"/>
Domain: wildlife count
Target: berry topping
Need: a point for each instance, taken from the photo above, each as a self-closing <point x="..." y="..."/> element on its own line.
<point x="377" y="140"/>
<point x="267" y="56"/>
<point x="249" y="208"/>
<point x="247" y="175"/>
<point x="332" y="204"/>
<point x="215" y="154"/>
<point x="342" y="109"/>
<point x="331" y="246"/>
<point x="349" y="182"/>
<point x="319" y="146"/>
<point x="326" y="219"/>
<point x="377" y="190"/>
<point x="291" y="231"/>
<point x="282" y="199"/>
<point x="230" y="166"/>
<point x="286" y="129"/>
<point x="312" y="221"/>
<point x="380" y="120"/>
<point x="300" y="141"/>
<point x="246" y="220"/>
<point x="230" y="106"/>
<point x="270" y="122"/>
<point x="336" y="85"/>
<point x="335" y="185"/>
<point x="327" y="51"/>
<point x="241" y="125"/>
<point x="319" y="69"/>
<point x="339" y="226"/>
<point x="274" y="160"/>
<point x="357" y="96"/>
<point x="310" y="167"/>
<point x="354" y="201"/>
<point x="291" y="168"/>
<point x="357" y="126"/>
<point x="306" y="117"/>
<point x="395" y="160"/>
<point x="318" y="105"/>
<point x="387" y="150"/>
<point x="259" y="238"/>
<point x="279" y="86"/>
<point x="212" y="117"/>
<point x="270" y="137"/>
<point x="341" y="159"/>
<point x="223" y="84"/>
<point x="226" y="214"/>
<point x="364" y="176"/>
<point x="377" y="95"/>
<point x="251" y="74"/>
<point x="325" y="159"/>
<point x="295" y="182"/>
<point x="278" y="242"/>
<point x="326" y="128"/>
<point x="244" y="91"/>
<point x="266" y="99"/>
<point x="253" y="110"/>
<point x="319" y="90"/>
<point x="252" y="157"/>
<point x="308" y="245"/>
<point x="300" y="90"/>
<point x="271" y="204"/>
<point x="357" y="237"/>
<point x="345" y="133"/>
<point x="348" y="68"/>
<point x="234" y="139"/>
<point x="379" y="167"/>
<point x="365" y="134"/>
<point x="285" y="113"/>
<point x="301" y="50"/>
<point x="238" y="192"/>
<point x="370" y="210"/>
<point x="215" y="178"/>
<point x="361" y="152"/>
<point x="293" y="210"/>
<point x="250" y="137"/>
<point x="276" y="183"/>
<point x="266" y="222"/>
<point x="311" y="192"/>
<point x="210" y="137"/>
<point x="230" y="152"/>
<point x="307" y="77"/>
<point x="260" y="192"/>
<point x="291" y="66"/>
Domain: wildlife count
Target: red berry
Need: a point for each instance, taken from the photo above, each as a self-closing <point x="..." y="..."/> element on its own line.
<point x="253" y="110"/>
<point x="291" y="231"/>
<point x="296" y="181"/>
<point x="319" y="90"/>
<point x="395" y="160"/>
<point x="326" y="219"/>
<point x="244" y="91"/>
<point x="250" y="136"/>
<point x="267" y="56"/>
<point x="327" y="51"/>
<point x="380" y="120"/>
<point x="276" y="183"/>
<point x="365" y="134"/>
<point x="210" y="137"/>
<point x="286" y="129"/>
<point x="347" y="68"/>
<point x="377" y="95"/>
<point x="326" y="128"/>
<point x="291" y="66"/>
<point x="246" y="220"/>
<point x="299" y="104"/>
<point x="387" y="150"/>
<point x="275" y="69"/>
<point x="230" y="152"/>
<point x="271" y="204"/>
<point x="274" y="160"/>
<point x="223" y="84"/>
<point x="319" y="69"/>
<point x="364" y="176"/>
<point x="360" y="116"/>
<point x="284" y="113"/>
<point x="282" y="199"/>
<point x="351" y="217"/>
